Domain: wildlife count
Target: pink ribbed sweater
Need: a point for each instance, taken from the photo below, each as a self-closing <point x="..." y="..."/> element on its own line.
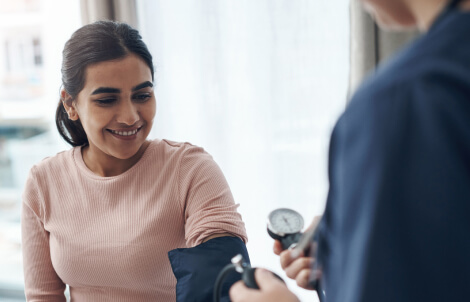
<point x="108" y="237"/>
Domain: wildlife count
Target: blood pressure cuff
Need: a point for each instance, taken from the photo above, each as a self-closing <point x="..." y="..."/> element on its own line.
<point x="197" y="268"/>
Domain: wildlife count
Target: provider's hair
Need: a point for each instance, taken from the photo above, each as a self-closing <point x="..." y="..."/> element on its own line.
<point x="93" y="43"/>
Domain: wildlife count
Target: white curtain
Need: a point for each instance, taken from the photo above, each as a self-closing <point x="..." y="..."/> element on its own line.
<point x="259" y="84"/>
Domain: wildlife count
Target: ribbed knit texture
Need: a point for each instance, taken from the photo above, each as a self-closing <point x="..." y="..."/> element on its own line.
<point x="108" y="237"/>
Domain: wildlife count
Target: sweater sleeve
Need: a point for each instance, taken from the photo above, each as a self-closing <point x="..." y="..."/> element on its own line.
<point x="208" y="202"/>
<point x="41" y="280"/>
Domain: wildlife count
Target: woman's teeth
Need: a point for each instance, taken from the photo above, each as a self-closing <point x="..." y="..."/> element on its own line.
<point x="125" y="133"/>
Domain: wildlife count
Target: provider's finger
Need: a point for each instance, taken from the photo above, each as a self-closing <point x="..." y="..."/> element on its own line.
<point x="287" y="258"/>
<point x="298" y="265"/>
<point x="239" y="292"/>
<point x="266" y="279"/>
<point x="303" y="277"/>
<point x="277" y="247"/>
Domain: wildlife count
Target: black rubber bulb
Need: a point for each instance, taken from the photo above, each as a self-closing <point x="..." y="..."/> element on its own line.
<point x="248" y="277"/>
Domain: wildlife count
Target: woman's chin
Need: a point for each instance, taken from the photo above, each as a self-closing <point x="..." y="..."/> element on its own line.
<point x="391" y="20"/>
<point x="388" y="24"/>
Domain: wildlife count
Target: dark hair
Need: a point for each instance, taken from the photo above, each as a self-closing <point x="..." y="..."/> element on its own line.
<point x="93" y="43"/>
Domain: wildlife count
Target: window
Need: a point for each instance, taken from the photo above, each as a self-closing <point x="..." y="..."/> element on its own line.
<point x="258" y="84"/>
<point x="32" y="36"/>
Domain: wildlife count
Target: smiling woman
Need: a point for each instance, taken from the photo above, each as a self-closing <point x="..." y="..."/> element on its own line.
<point x="104" y="216"/>
<point x="116" y="109"/>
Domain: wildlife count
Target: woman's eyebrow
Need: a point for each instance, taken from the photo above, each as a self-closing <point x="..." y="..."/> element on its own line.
<point x="143" y="85"/>
<point x="116" y="90"/>
<point x="106" y="90"/>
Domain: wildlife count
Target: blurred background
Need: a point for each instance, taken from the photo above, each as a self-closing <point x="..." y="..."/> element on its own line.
<point x="258" y="83"/>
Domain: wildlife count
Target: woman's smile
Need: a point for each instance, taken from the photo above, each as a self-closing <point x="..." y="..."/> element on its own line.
<point x="125" y="134"/>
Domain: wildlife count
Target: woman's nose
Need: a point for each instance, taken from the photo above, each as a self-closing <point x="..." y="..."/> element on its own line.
<point x="128" y="113"/>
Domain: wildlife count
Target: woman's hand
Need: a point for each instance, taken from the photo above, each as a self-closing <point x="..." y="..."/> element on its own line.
<point x="271" y="289"/>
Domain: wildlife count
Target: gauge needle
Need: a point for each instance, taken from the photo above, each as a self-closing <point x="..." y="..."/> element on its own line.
<point x="287" y="222"/>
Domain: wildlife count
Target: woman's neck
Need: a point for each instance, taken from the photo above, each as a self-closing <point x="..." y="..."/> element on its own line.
<point x="105" y="165"/>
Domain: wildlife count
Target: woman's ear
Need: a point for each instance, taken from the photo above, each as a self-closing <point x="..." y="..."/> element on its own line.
<point x="69" y="105"/>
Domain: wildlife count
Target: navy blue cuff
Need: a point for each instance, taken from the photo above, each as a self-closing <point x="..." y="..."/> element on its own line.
<point x="197" y="268"/>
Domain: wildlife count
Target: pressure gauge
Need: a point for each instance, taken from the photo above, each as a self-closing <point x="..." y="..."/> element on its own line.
<point x="285" y="225"/>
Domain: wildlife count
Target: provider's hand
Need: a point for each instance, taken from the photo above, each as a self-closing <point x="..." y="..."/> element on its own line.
<point x="270" y="289"/>
<point x="295" y="264"/>
<point x="297" y="268"/>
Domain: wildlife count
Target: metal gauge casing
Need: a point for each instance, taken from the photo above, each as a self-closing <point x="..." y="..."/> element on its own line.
<point x="283" y="222"/>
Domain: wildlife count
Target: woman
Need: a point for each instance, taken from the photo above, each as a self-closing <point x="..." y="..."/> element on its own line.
<point x="396" y="222"/>
<point x="103" y="216"/>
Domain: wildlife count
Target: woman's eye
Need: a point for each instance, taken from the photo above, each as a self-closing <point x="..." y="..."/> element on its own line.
<point x="107" y="101"/>
<point x="142" y="97"/>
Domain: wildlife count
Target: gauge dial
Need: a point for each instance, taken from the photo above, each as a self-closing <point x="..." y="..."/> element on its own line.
<point x="285" y="221"/>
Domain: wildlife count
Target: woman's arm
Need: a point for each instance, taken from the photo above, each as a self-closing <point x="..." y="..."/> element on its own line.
<point x="214" y="230"/>
<point x="209" y="208"/>
<point x="216" y="236"/>
<point x="41" y="280"/>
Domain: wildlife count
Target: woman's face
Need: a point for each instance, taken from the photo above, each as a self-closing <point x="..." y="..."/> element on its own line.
<point x="391" y="13"/>
<point x="116" y="106"/>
